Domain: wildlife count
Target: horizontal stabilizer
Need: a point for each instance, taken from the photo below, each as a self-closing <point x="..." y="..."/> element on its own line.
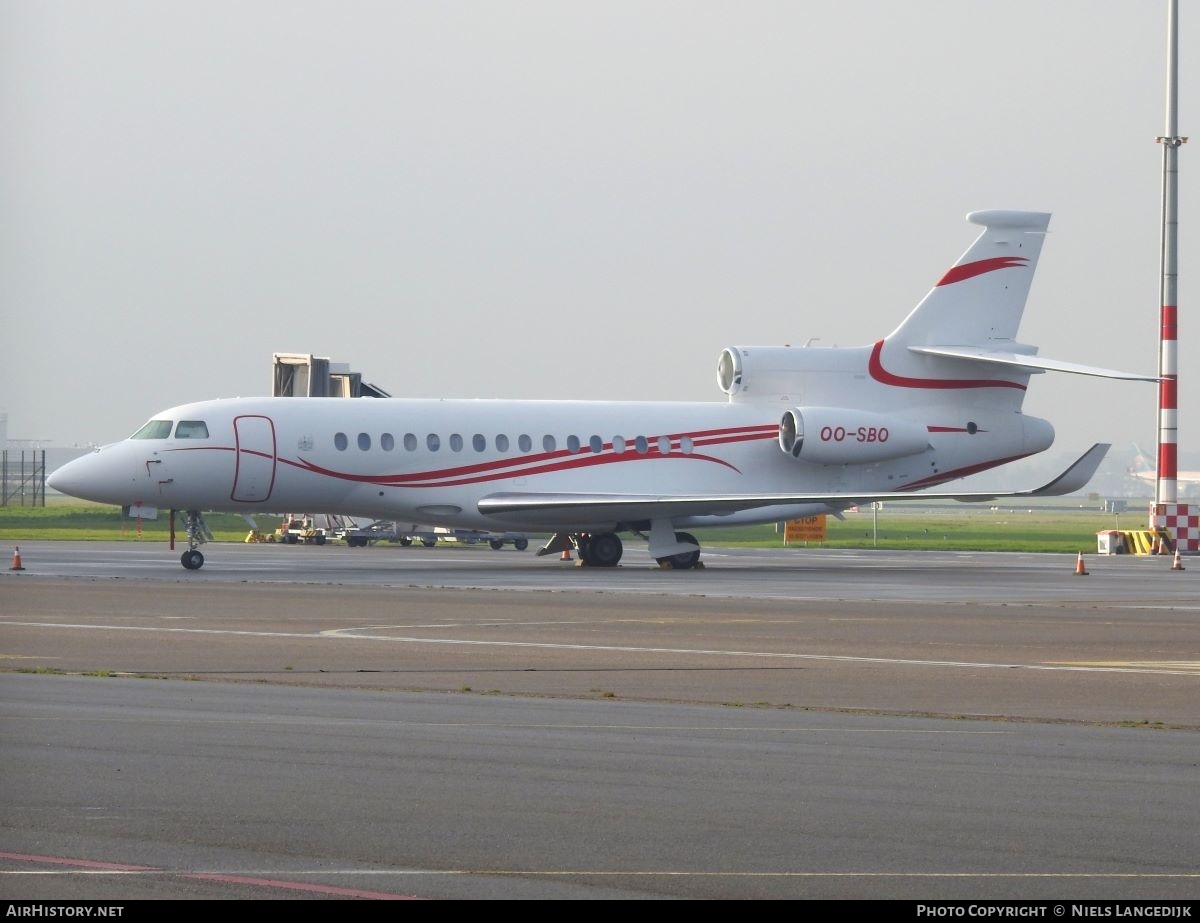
<point x="1028" y="363"/>
<point x="568" y="508"/>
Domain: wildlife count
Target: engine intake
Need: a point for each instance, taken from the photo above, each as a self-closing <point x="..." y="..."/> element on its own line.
<point x="836" y="436"/>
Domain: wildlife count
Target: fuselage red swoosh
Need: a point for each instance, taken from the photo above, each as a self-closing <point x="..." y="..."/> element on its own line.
<point x="538" y="463"/>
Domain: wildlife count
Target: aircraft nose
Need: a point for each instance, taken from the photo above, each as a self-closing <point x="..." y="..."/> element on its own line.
<point x="76" y="478"/>
<point x="64" y="479"/>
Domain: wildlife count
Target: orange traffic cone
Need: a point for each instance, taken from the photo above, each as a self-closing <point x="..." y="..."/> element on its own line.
<point x="1164" y="546"/>
<point x="1080" y="570"/>
<point x="1177" y="564"/>
<point x="566" y="555"/>
<point x="16" y="564"/>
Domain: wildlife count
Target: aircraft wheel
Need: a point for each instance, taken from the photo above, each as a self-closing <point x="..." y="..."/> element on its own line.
<point x="192" y="560"/>
<point x="429" y="542"/>
<point x="405" y="542"/>
<point x="604" y="550"/>
<point x="521" y="544"/>
<point x="685" y="560"/>
<point x="496" y="544"/>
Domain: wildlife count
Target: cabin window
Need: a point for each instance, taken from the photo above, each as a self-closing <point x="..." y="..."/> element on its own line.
<point x="597" y="444"/>
<point x="686" y="444"/>
<point x="340" y="441"/>
<point x="618" y="443"/>
<point x="433" y="442"/>
<point x="641" y="445"/>
<point x="191" y="429"/>
<point x="573" y="444"/>
<point x="501" y="443"/>
<point x="456" y="442"/>
<point x="479" y="442"/>
<point x="524" y="443"/>
<point x="664" y="445"/>
<point x="410" y="442"/>
<point x="364" y="441"/>
<point x="387" y="442"/>
<point x="155" y="429"/>
<point x="549" y="443"/>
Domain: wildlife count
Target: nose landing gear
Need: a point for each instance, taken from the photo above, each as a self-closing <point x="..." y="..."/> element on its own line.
<point x="197" y="533"/>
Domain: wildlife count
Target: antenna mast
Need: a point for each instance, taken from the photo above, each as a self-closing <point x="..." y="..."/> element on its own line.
<point x="1168" y="513"/>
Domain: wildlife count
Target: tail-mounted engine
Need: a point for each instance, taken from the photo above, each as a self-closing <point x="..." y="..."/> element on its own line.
<point x="836" y="436"/>
<point x="766" y="372"/>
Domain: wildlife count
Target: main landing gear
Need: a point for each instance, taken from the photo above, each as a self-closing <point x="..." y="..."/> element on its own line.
<point x="600" y="550"/>
<point x="197" y="533"/>
<point x="604" y="549"/>
<point x="685" y="560"/>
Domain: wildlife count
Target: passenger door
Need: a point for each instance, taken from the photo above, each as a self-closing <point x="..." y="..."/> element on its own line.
<point x="254" y="472"/>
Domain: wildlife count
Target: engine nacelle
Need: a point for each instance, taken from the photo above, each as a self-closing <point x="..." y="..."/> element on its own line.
<point x="769" y="372"/>
<point x="837" y="436"/>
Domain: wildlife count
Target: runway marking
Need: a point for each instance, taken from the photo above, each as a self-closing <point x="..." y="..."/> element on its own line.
<point x="250" y="876"/>
<point x="81" y="863"/>
<point x="1190" y="666"/>
<point x="276" y="720"/>
<point x="340" y="634"/>
<point x="572" y="583"/>
<point x="109" y="868"/>
<point x="278" y="884"/>
<point x="667" y="873"/>
<point x="26" y="657"/>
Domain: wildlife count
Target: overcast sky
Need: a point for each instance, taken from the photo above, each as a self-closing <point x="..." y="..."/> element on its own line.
<point x="567" y="199"/>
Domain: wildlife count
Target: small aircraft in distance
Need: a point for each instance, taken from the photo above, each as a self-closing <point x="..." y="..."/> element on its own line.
<point x="803" y="431"/>
<point x="1144" y="469"/>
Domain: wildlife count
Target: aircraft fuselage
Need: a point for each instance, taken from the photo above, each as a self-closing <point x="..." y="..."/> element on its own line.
<point x="433" y="460"/>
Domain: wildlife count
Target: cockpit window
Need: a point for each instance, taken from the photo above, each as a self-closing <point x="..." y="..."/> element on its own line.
<point x="191" y="429"/>
<point x="155" y="429"/>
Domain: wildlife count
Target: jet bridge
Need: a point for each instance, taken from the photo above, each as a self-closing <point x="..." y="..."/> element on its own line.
<point x="306" y="375"/>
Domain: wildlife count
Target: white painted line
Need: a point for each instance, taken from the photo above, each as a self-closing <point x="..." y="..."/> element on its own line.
<point x="342" y="634"/>
<point x="607" y="873"/>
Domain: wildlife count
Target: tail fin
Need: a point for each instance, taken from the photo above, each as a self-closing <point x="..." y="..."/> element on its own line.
<point x="979" y="302"/>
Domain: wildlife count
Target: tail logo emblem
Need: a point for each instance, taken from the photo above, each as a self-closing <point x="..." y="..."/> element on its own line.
<point x="979" y="267"/>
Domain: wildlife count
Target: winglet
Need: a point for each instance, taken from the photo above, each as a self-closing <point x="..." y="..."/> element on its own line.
<point x="1073" y="479"/>
<point x="1076" y="477"/>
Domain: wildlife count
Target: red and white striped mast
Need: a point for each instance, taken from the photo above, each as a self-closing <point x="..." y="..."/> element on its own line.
<point x="1167" y="512"/>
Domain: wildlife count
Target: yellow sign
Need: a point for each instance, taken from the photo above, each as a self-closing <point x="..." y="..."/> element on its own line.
<point x="808" y="529"/>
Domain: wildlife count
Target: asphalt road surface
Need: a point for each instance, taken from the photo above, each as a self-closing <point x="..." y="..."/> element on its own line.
<point x="444" y="723"/>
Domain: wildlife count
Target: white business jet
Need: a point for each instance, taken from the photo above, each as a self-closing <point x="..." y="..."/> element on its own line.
<point x="803" y="431"/>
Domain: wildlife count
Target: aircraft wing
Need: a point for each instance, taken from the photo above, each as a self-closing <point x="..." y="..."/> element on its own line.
<point x="1026" y="362"/>
<point x="568" y="508"/>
